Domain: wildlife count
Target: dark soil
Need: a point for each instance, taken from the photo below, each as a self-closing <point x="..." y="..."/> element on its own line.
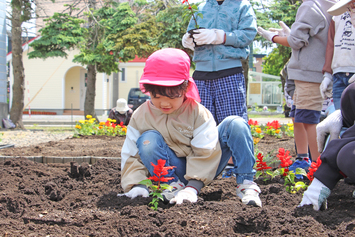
<point x="81" y="200"/>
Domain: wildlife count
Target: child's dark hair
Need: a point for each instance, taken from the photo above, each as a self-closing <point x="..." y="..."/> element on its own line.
<point x="168" y="91"/>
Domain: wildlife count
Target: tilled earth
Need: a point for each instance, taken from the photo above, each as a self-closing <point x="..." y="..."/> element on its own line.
<point x="81" y="200"/>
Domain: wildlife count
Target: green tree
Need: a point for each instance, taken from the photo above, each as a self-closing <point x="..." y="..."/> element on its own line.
<point x="21" y="11"/>
<point x="103" y="41"/>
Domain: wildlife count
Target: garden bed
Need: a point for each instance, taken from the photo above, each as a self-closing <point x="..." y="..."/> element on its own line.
<point x="81" y="200"/>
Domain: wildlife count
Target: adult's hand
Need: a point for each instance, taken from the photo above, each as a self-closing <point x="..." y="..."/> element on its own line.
<point x="315" y="195"/>
<point x="330" y="125"/>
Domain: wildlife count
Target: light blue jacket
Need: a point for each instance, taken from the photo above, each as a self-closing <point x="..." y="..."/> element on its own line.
<point x="237" y="19"/>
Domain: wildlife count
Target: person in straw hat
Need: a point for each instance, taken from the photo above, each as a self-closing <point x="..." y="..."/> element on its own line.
<point x="121" y="113"/>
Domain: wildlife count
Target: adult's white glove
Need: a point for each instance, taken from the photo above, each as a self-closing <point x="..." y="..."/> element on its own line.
<point x="268" y="35"/>
<point x="284" y="31"/>
<point x="352" y="79"/>
<point x="326" y="87"/>
<point x="316" y="194"/>
<point x="188" y="41"/>
<point x="135" y="192"/>
<point x="208" y="36"/>
<point x="330" y="125"/>
<point x="187" y="193"/>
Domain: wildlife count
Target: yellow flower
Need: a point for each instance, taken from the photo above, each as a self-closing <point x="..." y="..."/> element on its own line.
<point x="81" y="121"/>
<point x="108" y="119"/>
<point x="113" y="120"/>
<point x="277" y="131"/>
<point x="290" y="124"/>
<point x="88" y="116"/>
<point x="258" y="130"/>
<point x="78" y="126"/>
<point x="291" y="128"/>
<point x="102" y="123"/>
<point x="91" y="121"/>
<point x="256" y="140"/>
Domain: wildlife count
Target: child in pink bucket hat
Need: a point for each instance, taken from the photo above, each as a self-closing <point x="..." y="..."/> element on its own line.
<point x="175" y="127"/>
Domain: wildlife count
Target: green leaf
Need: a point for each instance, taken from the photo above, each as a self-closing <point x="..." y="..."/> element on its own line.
<point x="166" y="187"/>
<point x="146" y="182"/>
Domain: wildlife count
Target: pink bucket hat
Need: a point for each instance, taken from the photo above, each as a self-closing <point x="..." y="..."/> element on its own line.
<point x="169" y="67"/>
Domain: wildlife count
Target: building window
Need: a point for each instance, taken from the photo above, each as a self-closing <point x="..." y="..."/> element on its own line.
<point x="123" y="74"/>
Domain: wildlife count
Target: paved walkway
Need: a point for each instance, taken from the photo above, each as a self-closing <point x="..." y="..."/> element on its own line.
<point x="68" y="120"/>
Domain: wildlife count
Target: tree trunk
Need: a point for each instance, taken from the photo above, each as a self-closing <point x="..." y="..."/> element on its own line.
<point x="17" y="69"/>
<point x="89" y="106"/>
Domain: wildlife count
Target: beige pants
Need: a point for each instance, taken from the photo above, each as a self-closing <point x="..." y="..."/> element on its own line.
<point x="307" y="96"/>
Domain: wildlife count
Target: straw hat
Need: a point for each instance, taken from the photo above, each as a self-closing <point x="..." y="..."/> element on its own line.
<point x="122" y="106"/>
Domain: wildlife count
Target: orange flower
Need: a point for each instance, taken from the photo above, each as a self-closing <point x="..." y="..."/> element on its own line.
<point x="258" y="130"/>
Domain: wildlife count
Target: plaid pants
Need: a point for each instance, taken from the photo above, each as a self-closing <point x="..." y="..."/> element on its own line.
<point x="224" y="96"/>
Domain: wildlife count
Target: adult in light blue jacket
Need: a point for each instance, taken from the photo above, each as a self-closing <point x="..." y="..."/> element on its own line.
<point x="226" y="30"/>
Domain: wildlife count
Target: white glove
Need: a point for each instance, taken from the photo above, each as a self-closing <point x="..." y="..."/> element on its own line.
<point x="330" y="125"/>
<point x="326" y="87"/>
<point x="352" y="79"/>
<point x="187" y="193"/>
<point x="135" y="192"/>
<point x="268" y="35"/>
<point x="188" y="42"/>
<point x="316" y="194"/>
<point x="284" y="31"/>
<point x="208" y="36"/>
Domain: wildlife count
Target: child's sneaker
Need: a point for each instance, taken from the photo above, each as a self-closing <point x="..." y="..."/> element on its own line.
<point x="177" y="186"/>
<point x="300" y="162"/>
<point x="249" y="193"/>
<point x="228" y="172"/>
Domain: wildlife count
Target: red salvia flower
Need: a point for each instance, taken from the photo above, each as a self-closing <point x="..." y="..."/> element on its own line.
<point x="284" y="158"/>
<point x="260" y="164"/>
<point x="160" y="170"/>
<point x="285" y="172"/>
<point x="313" y="168"/>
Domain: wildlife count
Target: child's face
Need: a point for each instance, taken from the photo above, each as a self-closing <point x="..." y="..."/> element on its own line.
<point x="165" y="104"/>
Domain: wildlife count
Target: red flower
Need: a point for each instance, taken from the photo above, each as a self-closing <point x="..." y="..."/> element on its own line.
<point x="183" y="1"/>
<point x="160" y="170"/>
<point x="274" y="124"/>
<point x="111" y="53"/>
<point x="284" y="158"/>
<point x="121" y="124"/>
<point x="252" y="122"/>
<point x="313" y="168"/>
<point x="285" y="172"/>
<point x="260" y="164"/>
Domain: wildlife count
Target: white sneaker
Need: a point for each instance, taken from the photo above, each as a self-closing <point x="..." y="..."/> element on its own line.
<point x="177" y="186"/>
<point x="249" y="193"/>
